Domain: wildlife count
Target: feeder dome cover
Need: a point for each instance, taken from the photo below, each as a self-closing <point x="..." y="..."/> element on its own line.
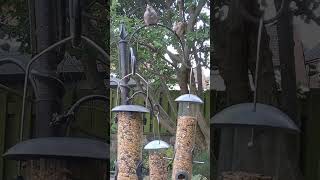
<point x="130" y="108"/>
<point x="242" y="115"/>
<point x="189" y="98"/>
<point x="58" y="147"/>
<point x="157" y="144"/>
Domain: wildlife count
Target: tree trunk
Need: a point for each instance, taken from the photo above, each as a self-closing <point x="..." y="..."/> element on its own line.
<point x="49" y="94"/>
<point x="89" y="57"/>
<point x="235" y="43"/>
<point x="50" y="101"/>
<point x="288" y="86"/>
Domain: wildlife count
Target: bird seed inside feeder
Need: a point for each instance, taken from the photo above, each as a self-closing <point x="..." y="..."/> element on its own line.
<point x="184" y="145"/>
<point x="157" y="166"/>
<point x="130" y="133"/>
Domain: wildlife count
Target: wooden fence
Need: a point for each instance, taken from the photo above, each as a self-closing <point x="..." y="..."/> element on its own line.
<point x="163" y="100"/>
<point x="90" y="120"/>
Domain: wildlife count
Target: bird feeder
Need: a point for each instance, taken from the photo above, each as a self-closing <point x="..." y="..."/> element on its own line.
<point x="129" y="136"/>
<point x="185" y="135"/>
<point x="54" y="158"/>
<point x="157" y="163"/>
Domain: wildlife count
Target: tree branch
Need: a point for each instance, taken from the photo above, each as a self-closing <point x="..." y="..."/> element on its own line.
<point x="155" y="50"/>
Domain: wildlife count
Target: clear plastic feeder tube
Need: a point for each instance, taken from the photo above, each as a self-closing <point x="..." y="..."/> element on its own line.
<point x="185" y="135"/>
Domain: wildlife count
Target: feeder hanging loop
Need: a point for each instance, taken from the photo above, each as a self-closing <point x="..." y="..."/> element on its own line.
<point x="257" y="65"/>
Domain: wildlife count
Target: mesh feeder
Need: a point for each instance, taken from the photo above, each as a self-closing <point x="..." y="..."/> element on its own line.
<point x="129" y="136"/>
<point x="185" y="137"/>
<point x="157" y="163"/>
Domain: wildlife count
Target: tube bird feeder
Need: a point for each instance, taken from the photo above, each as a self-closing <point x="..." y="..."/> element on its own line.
<point x="129" y="136"/>
<point x="157" y="163"/>
<point x="53" y="158"/>
<point x="185" y="137"/>
<point x="63" y="158"/>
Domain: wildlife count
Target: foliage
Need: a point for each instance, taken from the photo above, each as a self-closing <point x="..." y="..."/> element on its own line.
<point x="307" y="10"/>
<point x="203" y="169"/>
<point x="14" y="23"/>
<point x="152" y="43"/>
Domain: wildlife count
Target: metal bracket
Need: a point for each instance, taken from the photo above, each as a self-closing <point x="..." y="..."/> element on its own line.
<point x="133" y="61"/>
<point x="58" y="119"/>
<point x="139" y="170"/>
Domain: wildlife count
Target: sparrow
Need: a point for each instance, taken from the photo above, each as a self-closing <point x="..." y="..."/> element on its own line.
<point x="180" y="28"/>
<point x="150" y="16"/>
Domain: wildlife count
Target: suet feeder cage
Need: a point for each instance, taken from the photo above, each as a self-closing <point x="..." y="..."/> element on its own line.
<point x="185" y="135"/>
<point x="157" y="163"/>
<point x="129" y="136"/>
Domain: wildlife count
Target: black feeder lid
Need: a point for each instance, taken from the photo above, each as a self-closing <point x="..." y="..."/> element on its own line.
<point x="189" y="98"/>
<point x="130" y="108"/>
<point x="59" y="148"/>
<point x="242" y="115"/>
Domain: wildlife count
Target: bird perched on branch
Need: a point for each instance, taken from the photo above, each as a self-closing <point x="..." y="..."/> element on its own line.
<point x="180" y="28"/>
<point x="150" y="16"/>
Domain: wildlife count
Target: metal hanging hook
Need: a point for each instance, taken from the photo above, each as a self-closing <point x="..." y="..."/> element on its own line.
<point x="257" y="65"/>
<point x="144" y="80"/>
<point x="190" y="76"/>
<point x="133" y="61"/>
<point x="158" y="120"/>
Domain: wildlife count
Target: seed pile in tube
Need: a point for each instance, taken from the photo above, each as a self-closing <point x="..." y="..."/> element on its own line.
<point x="184" y="145"/>
<point x="157" y="166"/>
<point x="130" y="133"/>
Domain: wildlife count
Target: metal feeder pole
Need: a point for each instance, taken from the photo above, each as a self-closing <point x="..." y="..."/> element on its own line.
<point x="123" y="63"/>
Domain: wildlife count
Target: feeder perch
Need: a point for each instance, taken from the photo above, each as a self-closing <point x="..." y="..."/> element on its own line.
<point x="157" y="163"/>
<point x="185" y="136"/>
<point x="243" y="115"/>
<point x="129" y="136"/>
